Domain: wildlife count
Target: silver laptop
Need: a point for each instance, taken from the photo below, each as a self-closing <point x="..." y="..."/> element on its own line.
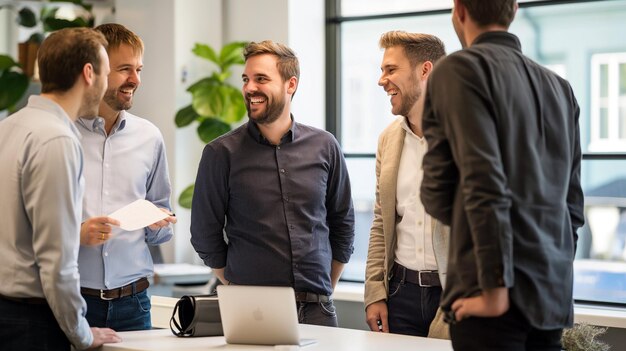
<point x="259" y="315"/>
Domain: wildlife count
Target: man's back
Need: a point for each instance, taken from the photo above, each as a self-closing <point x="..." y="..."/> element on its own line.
<point x="29" y="144"/>
<point x="519" y="176"/>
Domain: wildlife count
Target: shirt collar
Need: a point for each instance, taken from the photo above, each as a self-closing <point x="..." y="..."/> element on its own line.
<point x="97" y="123"/>
<point x="499" y="38"/>
<point x="407" y="128"/>
<point x="255" y="133"/>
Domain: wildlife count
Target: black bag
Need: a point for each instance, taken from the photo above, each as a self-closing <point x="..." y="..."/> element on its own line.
<point x="197" y="316"/>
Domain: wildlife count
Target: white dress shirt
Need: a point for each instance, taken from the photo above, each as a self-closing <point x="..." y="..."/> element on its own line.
<point x="414" y="247"/>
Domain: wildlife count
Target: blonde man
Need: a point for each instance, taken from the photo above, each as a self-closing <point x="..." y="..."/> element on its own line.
<point x="407" y="255"/>
<point x="125" y="161"/>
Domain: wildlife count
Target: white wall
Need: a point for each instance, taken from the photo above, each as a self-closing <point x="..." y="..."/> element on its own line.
<point x="169" y="29"/>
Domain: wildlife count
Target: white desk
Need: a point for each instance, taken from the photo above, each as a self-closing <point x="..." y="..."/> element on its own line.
<point x="327" y="339"/>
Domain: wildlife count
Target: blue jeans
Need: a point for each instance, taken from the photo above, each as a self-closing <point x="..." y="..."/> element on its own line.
<point x="509" y="332"/>
<point x="411" y="308"/>
<point x="126" y="313"/>
<point x="317" y="313"/>
<point x="29" y="327"/>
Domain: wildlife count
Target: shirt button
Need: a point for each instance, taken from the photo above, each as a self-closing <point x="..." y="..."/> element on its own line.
<point x="286" y="198"/>
<point x="106" y="254"/>
<point x="419" y="222"/>
<point x="106" y="192"/>
<point x="291" y="226"/>
<point x="278" y="147"/>
<point x="282" y="170"/>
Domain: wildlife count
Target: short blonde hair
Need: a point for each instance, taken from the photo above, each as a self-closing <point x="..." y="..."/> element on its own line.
<point x="418" y="47"/>
<point x="117" y="34"/>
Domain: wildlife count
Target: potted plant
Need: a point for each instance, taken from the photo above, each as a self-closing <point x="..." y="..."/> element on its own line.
<point x="14" y="82"/>
<point x="215" y="104"/>
<point x="583" y="337"/>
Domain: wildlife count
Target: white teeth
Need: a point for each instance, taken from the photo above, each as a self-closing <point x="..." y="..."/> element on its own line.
<point x="392" y="93"/>
<point x="257" y="101"/>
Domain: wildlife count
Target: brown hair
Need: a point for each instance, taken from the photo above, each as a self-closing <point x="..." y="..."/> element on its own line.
<point x="487" y="12"/>
<point x="287" y="64"/>
<point x="418" y="47"/>
<point x="117" y="35"/>
<point x="63" y="55"/>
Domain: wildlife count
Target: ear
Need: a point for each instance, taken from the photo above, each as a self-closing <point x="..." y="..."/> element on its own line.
<point x="460" y="11"/>
<point x="426" y="69"/>
<point x="292" y="85"/>
<point x="88" y="74"/>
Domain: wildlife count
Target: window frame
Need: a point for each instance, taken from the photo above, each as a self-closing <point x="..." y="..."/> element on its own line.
<point x="334" y="21"/>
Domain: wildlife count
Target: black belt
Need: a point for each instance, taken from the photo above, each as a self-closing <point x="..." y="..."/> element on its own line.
<point x="311" y="297"/>
<point x="424" y="279"/>
<point x="126" y="290"/>
<point x="27" y="300"/>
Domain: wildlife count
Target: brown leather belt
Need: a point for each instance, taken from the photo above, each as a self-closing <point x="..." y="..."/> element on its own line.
<point x="425" y="279"/>
<point x="126" y="290"/>
<point x="26" y="300"/>
<point x="311" y="297"/>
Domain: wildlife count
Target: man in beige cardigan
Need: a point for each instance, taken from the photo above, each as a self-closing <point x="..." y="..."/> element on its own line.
<point x="407" y="254"/>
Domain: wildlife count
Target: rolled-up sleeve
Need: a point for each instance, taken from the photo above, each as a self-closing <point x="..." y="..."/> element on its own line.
<point x="208" y="208"/>
<point x="340" y="215"/>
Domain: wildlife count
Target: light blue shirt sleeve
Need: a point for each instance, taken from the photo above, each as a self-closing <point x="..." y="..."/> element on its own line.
<point x="51" y="202"/>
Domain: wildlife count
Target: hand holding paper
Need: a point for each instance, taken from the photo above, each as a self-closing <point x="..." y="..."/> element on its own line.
<point x="138" y="214"/>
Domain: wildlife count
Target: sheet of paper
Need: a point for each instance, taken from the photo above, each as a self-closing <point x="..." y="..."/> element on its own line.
<point x="138" y="214"/>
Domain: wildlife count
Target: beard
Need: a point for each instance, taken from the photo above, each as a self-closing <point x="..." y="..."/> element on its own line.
<point x="273" y="109"/>
<point x="409" y="98"/>
<point x="89" y="108"/>
<point x="111" y="99"/>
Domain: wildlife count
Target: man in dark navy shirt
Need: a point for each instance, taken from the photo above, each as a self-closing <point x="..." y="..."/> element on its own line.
<point x="279" y="189"/>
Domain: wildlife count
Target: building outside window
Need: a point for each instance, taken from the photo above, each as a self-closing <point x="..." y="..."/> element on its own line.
<point x="582" y="41"/>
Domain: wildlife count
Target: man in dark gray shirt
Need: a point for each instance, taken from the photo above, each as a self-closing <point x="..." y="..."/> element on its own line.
<point x="281" y="191"/>
<point x="503" y="167"/>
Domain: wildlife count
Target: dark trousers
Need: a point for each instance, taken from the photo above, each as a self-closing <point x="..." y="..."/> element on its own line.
<point x="126" y="313"/>
<point x="509" y="332"/>
<point x="317" y="313"/>
<point x="411" y="308"/>
<point x="29" y="327"/>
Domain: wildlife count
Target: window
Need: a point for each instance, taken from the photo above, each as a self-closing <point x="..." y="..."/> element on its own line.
<point x="582" y="41"/>
<point x="608" y="102"/>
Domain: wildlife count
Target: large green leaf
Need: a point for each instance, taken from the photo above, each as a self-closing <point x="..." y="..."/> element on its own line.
<point x="232" y="54"/>
<point x="51" y="24"/>
<point x="13" y="85"/>
<point x="7" y="62"/>
<point x="205" y="51"/>
<point x="202" y="83"/>
<point x="209" y="100"/>
<point x="26" y="17"/>
<point x="236" y="109"/>
<point x="211" y="128"/>
<point x="184" y="200"/>
<point x="185" y="116"/>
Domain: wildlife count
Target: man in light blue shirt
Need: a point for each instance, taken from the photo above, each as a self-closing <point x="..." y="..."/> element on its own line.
<point x="124" y="161"/>
<point x="42" y="188"/>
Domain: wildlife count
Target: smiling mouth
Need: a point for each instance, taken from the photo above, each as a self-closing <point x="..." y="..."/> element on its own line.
<point x="255" y="100"/>
<point x="392" y="92"/>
